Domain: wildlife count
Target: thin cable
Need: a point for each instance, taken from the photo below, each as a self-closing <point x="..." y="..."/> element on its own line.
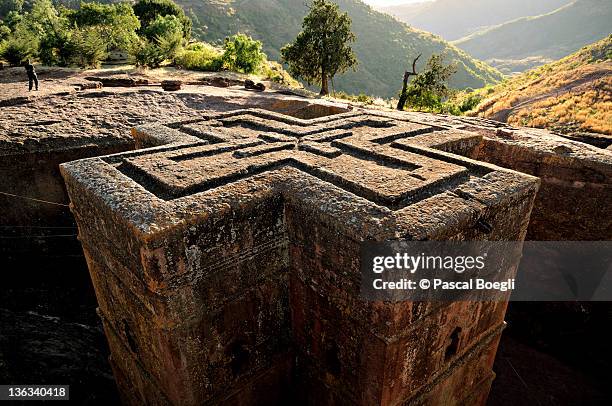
<point x="40" y="227"/>
<point x="38" y="236"/>
<point x="33" y="199"/>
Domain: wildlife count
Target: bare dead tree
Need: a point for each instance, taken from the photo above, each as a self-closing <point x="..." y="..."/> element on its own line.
<point x="407" y="74"/>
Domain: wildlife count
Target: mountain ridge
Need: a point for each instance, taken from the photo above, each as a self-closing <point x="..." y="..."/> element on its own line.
<point x="453" y="20"/>
<point x="384" y="47"/>
<point x="549" y="36"/>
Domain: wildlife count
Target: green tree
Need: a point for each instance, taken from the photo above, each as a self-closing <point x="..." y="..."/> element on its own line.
<point x="148" y="10"/>
<point x="162" y="40"/>
<point x="54" y="48"/>
<point x="44" y="18"/>
<point x="168" y="25"/>
<point x="4" y="31"/>
<point x="322" y="49"/>
<point x="12" y="19"/>
<point x="242" y="54"/>
<point x="430" y="87"/>
<point x="88" y="46"/>
<point x="66" y="37"/>
<point x="53" y="32"/>
<point x="6" y="6"/>
<point x="20" y="46"/>
<point x="116" y="23"/>
<point x="29" y="30"/>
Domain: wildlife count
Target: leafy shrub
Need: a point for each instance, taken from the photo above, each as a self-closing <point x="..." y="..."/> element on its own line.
<point x="470" y="102"/>
<point x="84" y="47"/>
<point x="364" y="98"/>
<point x="4" y="31"/>
<point x="200" y="46"/>
<point x="199" y="56"/>
<point x="462" y="102"/>
<point x="163" y="40"/>
<point x="147" y="53"/>
<point x="12" y="19"/>
<point x="429" y="88"/>
<point x="274" y="72"/>
<point x="163" y="26"/>
<point x="89" y="46"/>
<point x="148" y="11"/>
<point x="360" y="98"/>
<point x="116" y="22"/>
<point x="19" y="48"/>
<point x="7" y="6"/>
<point x="242" y="54"/>
<point x="55" y="48"/>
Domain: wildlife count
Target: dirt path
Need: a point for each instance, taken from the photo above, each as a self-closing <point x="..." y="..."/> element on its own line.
<point x="504" y="115"/>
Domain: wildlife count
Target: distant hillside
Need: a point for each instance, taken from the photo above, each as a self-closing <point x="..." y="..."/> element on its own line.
<point x="453" y="19"/>
<point x="384" y="46"/>
<point x="546" y="37"/>
<point x="571" y="95"/>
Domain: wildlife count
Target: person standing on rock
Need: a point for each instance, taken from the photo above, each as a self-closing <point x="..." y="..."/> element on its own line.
<point x="32" y="78"/>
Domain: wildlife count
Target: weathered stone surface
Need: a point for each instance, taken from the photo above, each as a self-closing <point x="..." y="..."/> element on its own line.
<point x="598" y="140"/>
<point x="50" y="129"/>
<point x="221" y="82"/>
<point x="37" y="137"/>
<point x="35" y="217"/>
<point x="575" y="197"/>
<point x="119" y="81"/>
<point x="573" y="203"/>
<point x="49" y="120"/>
<point x="228" y="256"/>
<point x="171" y="85"/>
<point x="576" y="194"/>
<point x="250" y="85"/>
<point x="88" y="85"/>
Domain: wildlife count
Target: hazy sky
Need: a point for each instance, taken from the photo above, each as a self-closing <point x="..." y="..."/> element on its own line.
<point x="391" y="2"/>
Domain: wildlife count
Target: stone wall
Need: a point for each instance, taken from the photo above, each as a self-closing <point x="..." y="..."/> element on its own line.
<point x="36" y="222"/>
<point x="573" y="204"/>
<point x="576" y="194"/>
<point x="226" y="258"/>
<point x="49" y="331"/>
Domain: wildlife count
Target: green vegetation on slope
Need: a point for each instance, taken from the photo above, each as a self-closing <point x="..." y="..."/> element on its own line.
<point x="454" y="19"/>
<point x="570" y="95"/>
<point x="549" y="36"/>
<point x="153" y="33"/>
<point x="384" y="46"/>
<point x="322" y="49"/>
